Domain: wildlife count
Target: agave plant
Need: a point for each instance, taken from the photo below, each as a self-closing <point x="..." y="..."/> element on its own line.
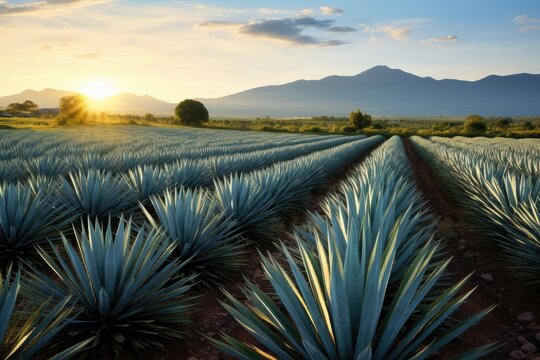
<point x="124" y="287"/>
<point x="28" y="216"/>
<point x="24" y="336"/>
<point x="98" y="194"/>
<point x="188" y="173"/>
<point x="47" y="166"/>
<point x="147" y="180"/>
<point x="201" y="233"/>
<point x="500" y="200"/>
<point x="340" y="306"/>
<point x="242" y="199"/>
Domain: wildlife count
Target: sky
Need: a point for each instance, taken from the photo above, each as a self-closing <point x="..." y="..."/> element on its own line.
<point x="189" y="49"/>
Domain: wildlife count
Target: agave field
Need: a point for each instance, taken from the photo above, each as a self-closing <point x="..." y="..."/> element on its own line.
<point x="169" y="243"/>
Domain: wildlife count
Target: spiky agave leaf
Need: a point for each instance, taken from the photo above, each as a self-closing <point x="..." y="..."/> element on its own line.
<point x="23" y="335"/>
<point x="334" y="305"/>
<point x="242" y="199"/>
<point x="188" y="173"/>
<point x="49" y="166"/>
<point x="28" y="216"/>
<point x="147" y="180"/>
<point x="201" y="233"/>
<point x="98" y="195"/>
<point x="124" y="285"/>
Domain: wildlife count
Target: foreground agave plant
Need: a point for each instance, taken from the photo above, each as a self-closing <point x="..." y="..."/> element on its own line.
<point x="22" y="337"/>
<point x="124" y="287"/>
<point x="98" y="195"/>
<point x="28" y="216"/>
<point x="200" y="232"/>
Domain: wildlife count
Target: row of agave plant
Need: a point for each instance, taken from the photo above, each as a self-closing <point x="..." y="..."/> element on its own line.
<point x="109" y="286"/>
<point x="365" y="279"/>
<point x="500" y="200"/>
<point x="118" y="163"/>
<point x="119" y="152"/>
<point x="519" y="155"/>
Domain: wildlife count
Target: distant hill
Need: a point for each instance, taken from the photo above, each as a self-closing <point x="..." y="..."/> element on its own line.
<point x="384" y="91"/>
<point x="378" y="91"/>
<point x="122" y="103"/>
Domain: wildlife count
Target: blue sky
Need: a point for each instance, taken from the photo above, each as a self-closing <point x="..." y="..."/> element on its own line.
<point x="178" y="49"/>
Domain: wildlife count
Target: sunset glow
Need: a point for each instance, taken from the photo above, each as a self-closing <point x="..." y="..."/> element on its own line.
<point x="98" y="89"/>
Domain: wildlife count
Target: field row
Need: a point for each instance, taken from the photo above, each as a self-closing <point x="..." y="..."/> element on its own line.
<point x="89" y="228"/>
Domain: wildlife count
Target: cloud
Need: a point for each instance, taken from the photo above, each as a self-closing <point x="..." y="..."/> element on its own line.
<point x="526" y="23"/>
<point x="41" y="7"/>
<point x="389" y="31"/>
<point x="290" y="30"/>
<point x="89" y="56"/>
<point x="341" y="29"/>
<point x="441" y="40"/>
<point x="329" y="10"/>
<point x="46" y="47"/>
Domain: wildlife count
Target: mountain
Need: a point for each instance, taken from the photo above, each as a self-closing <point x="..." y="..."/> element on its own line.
<point x="122" y="103"/>
<point x="378" y="91"/>
<point x="385" y="91"/>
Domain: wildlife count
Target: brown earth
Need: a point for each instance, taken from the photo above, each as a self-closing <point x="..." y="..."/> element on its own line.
<point x="473" y="251"/>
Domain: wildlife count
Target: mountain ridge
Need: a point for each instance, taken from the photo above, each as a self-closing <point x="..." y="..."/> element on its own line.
<point x="379" y="90"/>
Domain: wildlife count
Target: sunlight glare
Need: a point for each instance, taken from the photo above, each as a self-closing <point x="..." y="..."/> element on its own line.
<point x="98" y="89"/>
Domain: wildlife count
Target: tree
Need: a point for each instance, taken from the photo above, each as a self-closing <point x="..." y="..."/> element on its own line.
<point x="191" y="112"/>
<point x="74" y="108"/>
<point x="28" y="107"/>
<point x="358" y="120"/>
<point x="149" y="117"/>
<point x="528" y="125"/>
<point x="503" y="123"/>
<point x="475" y="124"/>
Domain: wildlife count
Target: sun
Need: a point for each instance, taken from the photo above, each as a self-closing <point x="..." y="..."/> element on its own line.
<point x="98" y="89"/>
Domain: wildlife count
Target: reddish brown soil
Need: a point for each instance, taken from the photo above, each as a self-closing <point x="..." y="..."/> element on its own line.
<point x="210" y="318"/>
<point x="472" y="251"/>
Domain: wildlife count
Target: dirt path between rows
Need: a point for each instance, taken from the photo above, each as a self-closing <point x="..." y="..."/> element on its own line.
<point x="210" y="318"/>
<point x="472" y="251"/>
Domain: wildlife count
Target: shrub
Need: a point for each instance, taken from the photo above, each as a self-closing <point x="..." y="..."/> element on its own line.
<point x="191" y="112"/>
<point x="475" y="124"/>
<point x="358" y="120"/>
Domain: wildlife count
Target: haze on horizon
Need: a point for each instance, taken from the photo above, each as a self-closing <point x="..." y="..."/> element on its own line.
<point x="179" y="49"/>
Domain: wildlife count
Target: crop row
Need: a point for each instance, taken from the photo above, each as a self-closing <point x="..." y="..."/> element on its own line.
<point x="365" y="279"/>
<point x="500" y="200"/>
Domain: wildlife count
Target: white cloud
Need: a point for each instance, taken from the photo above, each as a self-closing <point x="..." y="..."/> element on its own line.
<point x="441" y="40"/>
<point x="389" y="31"/>
<point x="47" y="7"/>
<point x="329" y="10"/>
<point x="526" y="23"/>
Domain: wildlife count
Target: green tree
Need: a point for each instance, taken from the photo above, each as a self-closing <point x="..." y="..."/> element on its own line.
<point x="191" y="112"/>
<point x="149" y="117"/>
<point x="358" y="120"/>
<point x="528" y="125"/>
<point x="475" y="124"/>
<point x="73" y="108"/>
<point x="503" y="123"/>
<point x="27" y="107"/>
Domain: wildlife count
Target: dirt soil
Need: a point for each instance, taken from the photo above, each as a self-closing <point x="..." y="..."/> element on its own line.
<point x="515" y="321"/>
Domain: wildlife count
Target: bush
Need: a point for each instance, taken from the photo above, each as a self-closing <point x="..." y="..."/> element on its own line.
<point x="475" y="124"/>
<point x="348" y="129"/>
<point x="358" y="120"/>
<point x="191" y="112"/>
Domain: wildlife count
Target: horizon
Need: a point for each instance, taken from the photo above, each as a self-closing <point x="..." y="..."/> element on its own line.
<point x="272" y="84"/>
<point x="208" y="49"/>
